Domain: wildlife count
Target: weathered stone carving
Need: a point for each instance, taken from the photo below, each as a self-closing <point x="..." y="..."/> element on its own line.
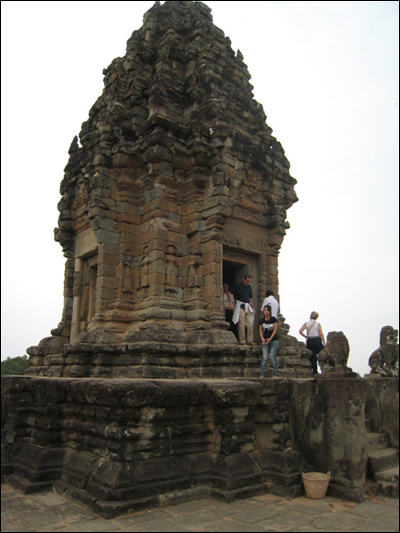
<point x="333" y="358"/>
<point x="177" y="164"/>
<point x="385" y="359"/>
<point x="124" y="445"/>
<point x="176" y="181"/>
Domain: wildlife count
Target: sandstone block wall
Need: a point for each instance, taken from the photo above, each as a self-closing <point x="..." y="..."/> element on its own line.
<point x="160" y="357"/>
<point x="174" y="175"/>
<point x="120" y="445"/>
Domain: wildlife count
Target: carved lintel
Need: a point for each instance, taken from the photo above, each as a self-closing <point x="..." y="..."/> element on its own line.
<point x="252" y="244"/>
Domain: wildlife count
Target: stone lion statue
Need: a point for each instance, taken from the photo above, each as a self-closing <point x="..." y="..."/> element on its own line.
<point x="333" y="358"/>
<point x="384" y="360"/>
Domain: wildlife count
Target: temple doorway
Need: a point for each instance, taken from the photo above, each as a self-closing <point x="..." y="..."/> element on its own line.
<point x="235" y="265"/>
<point x="233" y="272"/>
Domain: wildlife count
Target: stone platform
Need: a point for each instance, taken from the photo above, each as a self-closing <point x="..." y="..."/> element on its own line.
<point x="164" y="360"/>
<point x="120" y="445"/>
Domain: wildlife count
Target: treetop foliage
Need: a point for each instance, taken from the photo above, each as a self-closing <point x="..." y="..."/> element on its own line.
<point x="15" y="366"/>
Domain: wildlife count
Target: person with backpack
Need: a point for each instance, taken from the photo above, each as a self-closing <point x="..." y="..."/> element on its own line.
<point x="315" y="339"/>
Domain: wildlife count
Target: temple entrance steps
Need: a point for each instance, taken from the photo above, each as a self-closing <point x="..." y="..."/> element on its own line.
<point x="382" y="464"/>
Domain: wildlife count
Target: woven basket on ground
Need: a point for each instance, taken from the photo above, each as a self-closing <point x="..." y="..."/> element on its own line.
<point x="316" y="484"/>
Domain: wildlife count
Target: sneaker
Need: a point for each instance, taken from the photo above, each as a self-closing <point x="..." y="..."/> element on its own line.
<point x="260" y="376"/>
<point x="251" y="344"/>
<point x="275" y="377"/>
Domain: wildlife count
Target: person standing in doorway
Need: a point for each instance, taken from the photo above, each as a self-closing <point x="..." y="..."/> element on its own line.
<point x="273" y="302"/>
<point x="244" y="310"/>
<point x="269" y="337"/>
<point x="315" y="338"/>
<point x="229" y="306"/>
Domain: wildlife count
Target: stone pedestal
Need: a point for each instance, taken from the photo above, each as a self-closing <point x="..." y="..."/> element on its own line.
<point x="119" y="445"/>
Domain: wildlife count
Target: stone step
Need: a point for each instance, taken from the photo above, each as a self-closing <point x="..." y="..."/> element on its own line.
<point x="376" y="441"/>
<point x="391" y="475"/>
<point x="387" y="483"/>
<point x="386" y="488"/>
<point x="380" y="460"/>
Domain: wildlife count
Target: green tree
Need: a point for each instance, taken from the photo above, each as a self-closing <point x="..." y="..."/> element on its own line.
<point x="15" y="366"/>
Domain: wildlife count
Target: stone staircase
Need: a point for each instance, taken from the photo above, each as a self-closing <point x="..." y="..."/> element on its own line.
<point x="382" y="464"/>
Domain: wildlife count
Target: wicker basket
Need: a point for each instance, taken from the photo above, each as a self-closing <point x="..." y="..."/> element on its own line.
<point x="316" y="484"/>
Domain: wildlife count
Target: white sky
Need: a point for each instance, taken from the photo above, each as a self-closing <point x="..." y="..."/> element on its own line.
<point x="326" y="74"/>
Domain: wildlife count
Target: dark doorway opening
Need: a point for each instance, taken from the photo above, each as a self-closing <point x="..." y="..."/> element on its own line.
<point x="235" y="266"/>
<point x="233" y="272"/>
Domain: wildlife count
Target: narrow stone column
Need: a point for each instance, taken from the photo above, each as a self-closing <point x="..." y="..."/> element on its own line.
<point x="76" y="298"/>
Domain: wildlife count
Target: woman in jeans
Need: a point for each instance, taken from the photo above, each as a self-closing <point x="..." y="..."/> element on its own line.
<point x="270" y="343"/>
<point x="315" y="338"/>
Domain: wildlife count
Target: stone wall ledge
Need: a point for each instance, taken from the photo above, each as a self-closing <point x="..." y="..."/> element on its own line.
<point x="125" y="444"/>
<point x="162" y="360"/>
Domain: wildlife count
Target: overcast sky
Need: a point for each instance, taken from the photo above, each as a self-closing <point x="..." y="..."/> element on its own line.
<point x="326" y="74"/>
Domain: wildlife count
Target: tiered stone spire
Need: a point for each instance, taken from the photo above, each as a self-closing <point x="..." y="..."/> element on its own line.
<point x="174" y="181"/>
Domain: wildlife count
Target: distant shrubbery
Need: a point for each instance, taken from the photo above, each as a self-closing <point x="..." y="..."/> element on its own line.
<point x="15" y="366"/>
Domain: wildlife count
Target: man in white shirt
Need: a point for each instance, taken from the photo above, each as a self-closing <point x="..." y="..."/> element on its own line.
<point x="273" y="302"/>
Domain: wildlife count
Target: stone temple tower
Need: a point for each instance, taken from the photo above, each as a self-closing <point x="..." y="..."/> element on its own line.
<point x="174" y="185"/>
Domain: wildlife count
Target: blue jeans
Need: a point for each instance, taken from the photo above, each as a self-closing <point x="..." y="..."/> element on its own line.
<point x="271" y="348"/>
